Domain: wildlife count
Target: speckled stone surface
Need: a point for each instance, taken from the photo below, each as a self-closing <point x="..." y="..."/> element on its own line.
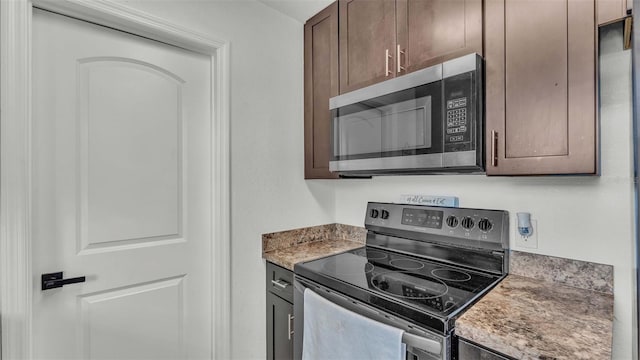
<point x="286" y="248"/>
<point x="351" y="233"/>
<point x="580" y="274"/>
<point x="288" y="257"/>
<point x="527" y="318"/>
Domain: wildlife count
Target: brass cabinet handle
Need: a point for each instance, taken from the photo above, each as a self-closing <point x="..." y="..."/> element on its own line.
<point x="494" y="148"/>
<point x="387" y="56"/>
<point x="399" y="59"/>
<point x="289" y="326"/>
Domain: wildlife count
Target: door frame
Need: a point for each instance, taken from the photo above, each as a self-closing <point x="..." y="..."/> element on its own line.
<point x="635" y="71"/>
<point x="17" y="282"/>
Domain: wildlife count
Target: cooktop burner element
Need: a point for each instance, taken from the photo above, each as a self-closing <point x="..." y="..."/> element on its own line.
<point x="372" y="254"/>
<point x="450" y="274"/>
<point x="344" y="268"/>
<point x="418" y="266"/>
<point x="406" y="264"/>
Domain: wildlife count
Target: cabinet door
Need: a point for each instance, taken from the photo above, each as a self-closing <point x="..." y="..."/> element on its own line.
<point x="367" y="36"/>
<point x="280" y="281"/>
<point x="611" y="10"/>
<point x="279" y="328"/>
<point x="433" y="31"/>
<point x="540" y="87"/>
<point x="320" y="83"/>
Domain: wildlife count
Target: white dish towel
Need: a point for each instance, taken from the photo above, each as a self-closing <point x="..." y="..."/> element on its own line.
<point x="332" y="332"/>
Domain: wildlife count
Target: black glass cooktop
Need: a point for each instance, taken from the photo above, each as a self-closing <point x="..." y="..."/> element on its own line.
<point x="399" y="283"/>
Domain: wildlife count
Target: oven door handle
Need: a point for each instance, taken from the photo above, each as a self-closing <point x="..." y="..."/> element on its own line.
<point x="418" y="342"/>
<point x="427" y="345"/>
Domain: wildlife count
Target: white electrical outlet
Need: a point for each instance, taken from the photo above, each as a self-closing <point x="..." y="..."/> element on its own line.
<point x="530" y="241"/>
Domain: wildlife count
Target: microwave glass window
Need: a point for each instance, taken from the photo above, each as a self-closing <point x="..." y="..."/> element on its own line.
<point x="407" y="125"/>
<point x="360" y="132"/>
<point x="402" y="126"/>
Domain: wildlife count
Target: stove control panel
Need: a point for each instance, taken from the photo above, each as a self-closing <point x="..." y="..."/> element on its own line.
<point x="472" y="226"/>
<point x="422" y="217"/>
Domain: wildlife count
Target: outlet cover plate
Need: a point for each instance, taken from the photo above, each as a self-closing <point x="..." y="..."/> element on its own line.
<point x="530" y="242"/>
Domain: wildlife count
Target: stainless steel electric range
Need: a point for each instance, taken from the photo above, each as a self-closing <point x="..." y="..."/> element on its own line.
<point x="420" y="269"/>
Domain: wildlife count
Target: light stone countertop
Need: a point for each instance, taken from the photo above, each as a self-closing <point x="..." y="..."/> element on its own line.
<point x="288" y="257"/>
<point x="286" y="248"/>
<point x="527" y="318"/>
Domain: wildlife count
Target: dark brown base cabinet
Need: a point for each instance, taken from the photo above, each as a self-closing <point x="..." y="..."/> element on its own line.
<point x="279" y="313"/>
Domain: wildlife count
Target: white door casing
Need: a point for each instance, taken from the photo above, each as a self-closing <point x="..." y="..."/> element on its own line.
<point x="16" y="278"/>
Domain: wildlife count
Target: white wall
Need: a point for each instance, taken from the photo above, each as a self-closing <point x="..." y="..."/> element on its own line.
<point x="585" y="218"/>
<point x="267" y="165"/>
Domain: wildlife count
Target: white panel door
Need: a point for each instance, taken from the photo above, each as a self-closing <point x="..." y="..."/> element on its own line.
<point x="122" y="194"/>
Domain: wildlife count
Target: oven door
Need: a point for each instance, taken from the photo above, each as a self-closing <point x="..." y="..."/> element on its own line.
<point x="398" y="130"/>
<point x="421" y="343"/>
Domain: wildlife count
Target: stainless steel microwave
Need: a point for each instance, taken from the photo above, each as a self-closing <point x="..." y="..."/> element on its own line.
<point x="430" y="120"/>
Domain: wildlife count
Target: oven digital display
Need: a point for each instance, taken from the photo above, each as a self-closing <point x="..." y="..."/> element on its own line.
<point x="424" y="218"/>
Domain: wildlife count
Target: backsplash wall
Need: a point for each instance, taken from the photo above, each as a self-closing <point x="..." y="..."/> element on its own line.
<point x="584" y="218"/>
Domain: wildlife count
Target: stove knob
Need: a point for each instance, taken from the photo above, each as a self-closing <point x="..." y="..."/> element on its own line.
<point x="385" y="214"/>
<point x="467" y="223"/>
<point x="374" y="213"/>
<point x="485" y="225"/>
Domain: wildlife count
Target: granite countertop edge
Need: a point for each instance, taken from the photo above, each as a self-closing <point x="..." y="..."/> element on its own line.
<point x="286" y="248"/>
<point x="527" y="318"/>
<point x="288" y="257"/>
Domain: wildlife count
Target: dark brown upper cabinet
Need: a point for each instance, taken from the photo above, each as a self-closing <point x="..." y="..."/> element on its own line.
<point x="540" y="61"/>
<point x="608" y="11"/>
<point x="367" y="41"/>
<point x="433" y="31"/>
<point x="320" y="83"/>
<point x="381" y="39"/>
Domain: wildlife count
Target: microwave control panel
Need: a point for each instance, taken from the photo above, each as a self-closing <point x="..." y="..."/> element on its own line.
<point x="458" y="110"/>
<point x="456" y="119"/>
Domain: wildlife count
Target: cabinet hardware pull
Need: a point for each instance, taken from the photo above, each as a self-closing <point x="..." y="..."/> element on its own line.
<point x="494" y="148"/>
<point x="628" y="27"/>
<point x="399" y="60"/>
<point x="279" y="283"/>
<point x="387" y="56"/>
<point x="289" y="325"/>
